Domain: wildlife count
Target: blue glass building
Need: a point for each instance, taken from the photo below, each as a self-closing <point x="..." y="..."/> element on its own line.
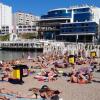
<point x="71" y="24"/>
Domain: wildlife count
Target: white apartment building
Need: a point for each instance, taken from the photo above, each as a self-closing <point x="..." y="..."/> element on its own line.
<point x="5" y="19"/>
<point x="24" y="22"/>
<point x="26" y="28"/>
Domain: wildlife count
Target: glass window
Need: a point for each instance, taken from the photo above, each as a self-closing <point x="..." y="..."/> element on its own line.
<point x="24" y="29"/>
<point x="29" y="29"/>
<point x="20" y="26"/>
<point x="81" y="10"/>
<point x="24" y="26"/>
<point x="7" y="26"/>
<point x="29" y="26"/>
<point x="80" y="17"/>
<point x="86" y="24"/>
<point x="82" y="24"/>
<point x="68" y="21"/>
<point x="20" y="29"/>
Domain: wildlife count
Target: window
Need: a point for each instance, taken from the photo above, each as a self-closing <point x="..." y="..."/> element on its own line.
<point x="70" y="30"/>
<point x="86" y="24"/>
<point x="3" y="27"/>
<point x="74" y="25"/>
<point x="29" y="29"/>
<point x="27" y="23"/>
<point x="70" y="25"/>
<point x="20" y="14"/>
<point x="33" y="29"/>
<point x="24" y="29"/>
<point x="20" y="29"/>
<point x="86" y="30"/>
<point x="82" y="24"/>
<point x="7" y="26"/>
<point x="29" y="26"/>
<point x="81" y="10"/>
<point x="82" y="30"/>
<point x="33" y="26"/>
<point x="20" y="26"/>
<point x="24" y="26"/>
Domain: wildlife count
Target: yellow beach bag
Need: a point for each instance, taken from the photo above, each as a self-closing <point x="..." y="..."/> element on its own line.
<point x="71" y="60"/>
<point x="93" y="54"/>
<point x="16" y="74"/>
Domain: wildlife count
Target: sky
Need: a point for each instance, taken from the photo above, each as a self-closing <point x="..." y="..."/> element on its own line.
<point x="40" y="7"/>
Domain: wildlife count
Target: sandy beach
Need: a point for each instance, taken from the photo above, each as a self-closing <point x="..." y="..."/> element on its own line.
<point x="70" y="91"/>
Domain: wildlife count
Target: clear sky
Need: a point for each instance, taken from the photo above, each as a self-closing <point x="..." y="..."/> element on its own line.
<point x="40" y="7"/>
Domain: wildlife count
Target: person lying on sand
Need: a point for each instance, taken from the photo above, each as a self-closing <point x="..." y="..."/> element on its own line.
<point x="46" y="93"/>
<point x="7" y="91"/>
<point x="6" y="74"/>
<point x="3" y="98"/>
<point x="50" y="75"/>
<point x="82" y="75"/>
<point x="16" y="94"/>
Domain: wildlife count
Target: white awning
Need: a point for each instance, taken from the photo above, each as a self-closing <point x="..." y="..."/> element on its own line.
<point x="78" y="34"/>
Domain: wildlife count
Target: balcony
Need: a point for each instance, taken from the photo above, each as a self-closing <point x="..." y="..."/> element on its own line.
<point x="48" y="29"/>
<point x="66" y="15"/>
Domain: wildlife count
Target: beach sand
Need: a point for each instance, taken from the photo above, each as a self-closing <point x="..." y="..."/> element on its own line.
<point x="70" y="91"/>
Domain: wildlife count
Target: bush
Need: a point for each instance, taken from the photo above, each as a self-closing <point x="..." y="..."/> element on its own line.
<point x="4" y="37"/>
<point x="29" y="35"/>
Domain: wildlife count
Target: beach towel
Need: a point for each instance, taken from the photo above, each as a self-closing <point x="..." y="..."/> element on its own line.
<point x="40" y="77"/>
<point x="13" y="97"/>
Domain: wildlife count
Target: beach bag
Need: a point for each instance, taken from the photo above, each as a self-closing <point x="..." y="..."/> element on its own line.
<point x="71" y="59"/>
<point x="15" y="74"/>
<point x="93" y="54"/>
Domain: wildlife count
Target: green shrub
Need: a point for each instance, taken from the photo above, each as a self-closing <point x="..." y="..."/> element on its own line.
<point x="4" y="37"/>
<point x="29" y="35"/>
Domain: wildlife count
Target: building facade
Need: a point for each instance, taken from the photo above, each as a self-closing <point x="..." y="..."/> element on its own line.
<point x="5" y="19"/>
<point x="26" y="28"/>
<point x="74" y="24"/>
<point x="24" y="22"/>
